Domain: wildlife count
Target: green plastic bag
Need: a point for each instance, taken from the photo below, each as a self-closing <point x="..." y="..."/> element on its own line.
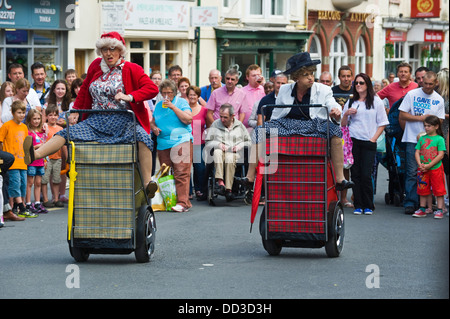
<point x="168" y="191"/>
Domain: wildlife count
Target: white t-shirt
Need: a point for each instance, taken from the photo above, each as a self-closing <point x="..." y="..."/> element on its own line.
<point x="365" y="123"/>
<point x="416" y="102"/>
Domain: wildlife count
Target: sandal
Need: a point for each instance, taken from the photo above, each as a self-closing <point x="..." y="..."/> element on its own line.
<point x="198" y="194"/>
<point x="349" y="205"/>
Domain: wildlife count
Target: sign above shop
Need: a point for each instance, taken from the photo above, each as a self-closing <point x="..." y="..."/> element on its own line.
<point x="204" y="16"/>
<point x="425" y="9"/>
<point x="338" y="15"/>
<point x="433" y="36"/>
<point x="43" y="14"/>
<point x="156" y="15"/>
<point x="395" y="36"/>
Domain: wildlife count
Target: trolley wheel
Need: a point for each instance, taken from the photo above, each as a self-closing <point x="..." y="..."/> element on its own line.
<point x="145" y="234"/>
<point x="79" y="254"/>
<point x="272" y="246"/>
<point x="336" y="230"/>
<point x="210" y="195"/>
<point x="387" y="199"/>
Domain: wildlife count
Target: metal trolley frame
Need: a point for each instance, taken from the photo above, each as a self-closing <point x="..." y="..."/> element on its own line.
<point x="109" y="210"/>
<point x="302" y="207"/>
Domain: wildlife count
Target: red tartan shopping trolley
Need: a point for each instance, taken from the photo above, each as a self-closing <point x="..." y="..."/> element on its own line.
<point x="302" y="207"/>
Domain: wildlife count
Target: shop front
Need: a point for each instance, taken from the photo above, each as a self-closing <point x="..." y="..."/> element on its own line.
<point x="341" y="38"/>
<point x="158" y="35"/>
<point x="35" y="31"/>
<point x="269" y="48"/>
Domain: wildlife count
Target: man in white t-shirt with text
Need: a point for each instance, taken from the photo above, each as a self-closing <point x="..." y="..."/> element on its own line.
<point x="416" y="106"/>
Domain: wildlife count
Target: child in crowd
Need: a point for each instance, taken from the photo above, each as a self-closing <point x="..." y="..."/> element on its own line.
<point x="7" y="89"/>
<point x="429" y="153"/>
<point x="70" y="75"/>
<point x="12" y="137"/>
<point x="36" y="169"/>
<point x="61" y="97"/>
<point x="53" y="168"/>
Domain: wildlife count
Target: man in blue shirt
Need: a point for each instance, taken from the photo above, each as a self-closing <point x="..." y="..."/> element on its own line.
<point x="41" y="87"/>
<point x="215" y="78"/>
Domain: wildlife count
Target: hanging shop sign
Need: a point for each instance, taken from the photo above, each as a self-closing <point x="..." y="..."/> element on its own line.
<point x="425" y="8"/>
<point x="433" y="36"/>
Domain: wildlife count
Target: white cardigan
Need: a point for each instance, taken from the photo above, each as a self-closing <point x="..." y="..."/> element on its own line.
<point x="320" y="94"/>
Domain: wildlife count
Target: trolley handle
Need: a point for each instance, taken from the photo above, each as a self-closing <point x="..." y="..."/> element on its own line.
<point x="90" y="111"/>
<point x="273" y="106"/>
<point x="280" y="106"/>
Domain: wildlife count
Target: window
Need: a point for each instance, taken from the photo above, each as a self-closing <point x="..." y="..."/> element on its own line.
<point x="360" y="57"/>
<point x="338" y="56"/>
<point x="26" y="47"/>
<point x="256" y="7"/>
<point x="315" y="51"/>
<point x="154" y="55"/>
<point x="266" y="8"/>
<point x="394" y="55"/>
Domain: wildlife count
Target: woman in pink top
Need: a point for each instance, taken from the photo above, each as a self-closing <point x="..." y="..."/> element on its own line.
<point x="198" y="129"/>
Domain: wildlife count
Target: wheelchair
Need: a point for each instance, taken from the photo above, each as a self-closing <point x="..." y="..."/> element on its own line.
<point x="238" y="190"/>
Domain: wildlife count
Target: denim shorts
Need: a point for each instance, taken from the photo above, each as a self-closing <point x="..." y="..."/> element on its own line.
<point x="36" y="171"/>
<point x="17" y="183"/>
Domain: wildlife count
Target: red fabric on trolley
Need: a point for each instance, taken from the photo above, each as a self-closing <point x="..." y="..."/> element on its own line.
<point x="295" y="196"/>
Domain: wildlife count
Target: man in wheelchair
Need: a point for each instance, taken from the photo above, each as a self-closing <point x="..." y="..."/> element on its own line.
<point x="227" y="137"/>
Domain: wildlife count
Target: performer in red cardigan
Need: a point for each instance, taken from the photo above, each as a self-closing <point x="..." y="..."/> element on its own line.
<point x="111" y="84"/>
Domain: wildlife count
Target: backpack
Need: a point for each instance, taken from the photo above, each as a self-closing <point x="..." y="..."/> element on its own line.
<point x="394" y="127"/>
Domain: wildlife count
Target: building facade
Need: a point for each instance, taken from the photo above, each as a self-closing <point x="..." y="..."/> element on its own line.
<point x="370" y="36"/>
<point x="32" y="31"/>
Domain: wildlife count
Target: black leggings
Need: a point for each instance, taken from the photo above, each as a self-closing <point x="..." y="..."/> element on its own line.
<point x="361" y="173"/>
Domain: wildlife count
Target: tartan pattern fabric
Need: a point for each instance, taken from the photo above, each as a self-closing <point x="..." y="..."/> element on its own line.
<point x="297" y="145"/>
<point x="295" y="196"/>
<point x="104" y="195"/>
<point x="96" y="153"/>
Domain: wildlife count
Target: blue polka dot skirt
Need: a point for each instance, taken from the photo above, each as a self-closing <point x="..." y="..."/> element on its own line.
<point x="108" y="128"/>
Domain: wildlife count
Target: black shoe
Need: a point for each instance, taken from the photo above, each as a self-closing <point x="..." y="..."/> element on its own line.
<point x="28" y="149"/>
<point x="409" y="210"/>
<point x="229" y="195"/>
<point x="345" y="184"/>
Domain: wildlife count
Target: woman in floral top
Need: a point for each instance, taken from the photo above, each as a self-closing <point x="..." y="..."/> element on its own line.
<point x="111" y="84"/>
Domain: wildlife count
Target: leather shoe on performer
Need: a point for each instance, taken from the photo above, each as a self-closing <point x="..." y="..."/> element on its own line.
<point x="345" y="184"/>
<point x="28" y="149"/>
<point x="151" y="189"/>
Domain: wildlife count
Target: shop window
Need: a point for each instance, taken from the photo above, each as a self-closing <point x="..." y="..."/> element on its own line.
<point x="43" y="37"/>
<point x="17" y="37"/>
<point x="338" y="56"/>
<point x="26" y="47"/>
<point x="394" y="54"/>
<point x="431" y="56"/>
<point x="163" y="55"/>
<point x="360" y="56"/>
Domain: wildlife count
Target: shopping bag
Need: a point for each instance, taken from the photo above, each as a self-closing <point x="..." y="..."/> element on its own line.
<point x="347" y="145"/>
<point x="381" y="143"/>
<point x="157" y="201"/>
<point x="166" y="184"/>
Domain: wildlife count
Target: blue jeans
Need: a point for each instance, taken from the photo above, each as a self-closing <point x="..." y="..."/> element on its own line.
<point x="411" y="197"/>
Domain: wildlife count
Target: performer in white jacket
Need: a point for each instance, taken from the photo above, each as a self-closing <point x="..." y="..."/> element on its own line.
<point x="304" y="120"/>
